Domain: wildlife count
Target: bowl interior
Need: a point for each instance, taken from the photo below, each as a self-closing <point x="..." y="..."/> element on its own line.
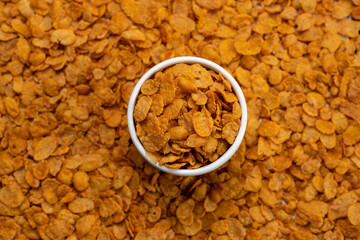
<point x="207" y="64"/>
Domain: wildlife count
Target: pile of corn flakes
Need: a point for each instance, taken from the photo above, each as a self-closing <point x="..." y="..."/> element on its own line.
<point x="187" y="116"/>
<point x="68" y="169"/>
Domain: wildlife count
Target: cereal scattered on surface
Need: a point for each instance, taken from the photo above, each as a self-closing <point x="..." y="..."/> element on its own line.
<point x="68" y="169"/>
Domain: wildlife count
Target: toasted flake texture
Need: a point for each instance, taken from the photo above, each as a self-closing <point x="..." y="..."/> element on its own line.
<point x="203" y="124"/>
<point x="45" y="147"/>
<point x="154" y="142"/>
<point x="63" y="36"/>
<point x="181" y="23"/>
<point x="142" y="108"/>
<point x="68" y="166"/>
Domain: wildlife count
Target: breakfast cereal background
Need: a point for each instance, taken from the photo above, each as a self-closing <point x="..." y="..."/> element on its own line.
<point x="68" y="169"/>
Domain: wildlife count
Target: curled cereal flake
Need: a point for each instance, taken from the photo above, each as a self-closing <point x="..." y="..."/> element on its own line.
<point x="305" y="21"/>
<point x="237" y="110"/>
<point x="6" y="163"/>
<point x="118" y="23"/>
<point x="126" y="91"/>
<point x="23" y="48"/>
<point x="154" y="142"/>
<point x="313" y="209"/>
<point x="152" y="124"/>
<point x="310" y="135"/>
<point x="178" y="133"/>
<point x="187" y="84"/>
<point x="211" y="5"/>
<point x="170" y="158"/>
<point x="301" y="234"/>
<point x="84" y="224"/>
<point x="220" y="227"/>
<point x="63" y="36"/>
<point x="253" y="180"/>
<point x="236" y="229"/>
<point x="282" y="136"/>
<point x="11" y="106"/>
<point x="134" y="34"/>
<point x="353" y="214"/>
<point x="172" y="111"/>
<point x="154" y="214"/>
<point x="92" y="162"/>
<point x="181" y="23"/>
<point x="112" y="117"/>
<point x="211" y="104"/>
<point x="175" y="165"/>
<point x="339" y="206"/>
<point x="80" y="113"/>
<point x="325" y="127"/>
<point x="177" y="149"/>
<point x="167" y="87"/>
<point x="211" y="145"/>
<point x="200" y="98"/>
<point x="343" y="9"/>
<point x="181" y="70"/>
<point x="195" y="140"/>
<point x="268" y="128"/>
<point x="184" y="212"/>
<point x="203" y="123"/>
<point x="247" y="48"/>
<point x="157" y="106"/>
<point x="123" y="176"/>
<point x="40" y="170"/>
<point x="11" y="196"/>
<point x="259" y="85"/>
<point x="193" y="229"/>
<point x="81" y="180"/>
<point x="330" y="186"/>
<point x="229" y="97"/>
<point x="230" y="190"/>
<point x="45" y="147"/>
<point x="351" y="135"/>
<point x="141" y="12"/>
<point x="315" y="99"/>
<point x="349" y="109"/>
<point x="81" y="205"/>
<point x="9" y="228"/>
<point x="230" y="131"/>
<point x="207" y="24"/>
<point x="6" y="36"/>
<point x="142" y="108"/>
<point x="149" y="87"/>
<point x="20" y="27"/>
<point x="329" y="141"/>
<point x="332" y="41"/>
<point x="308" y="5"/>
<point x="202" y="77"/>
<point x="243" y="77"/>
<point x="226" y="48"/>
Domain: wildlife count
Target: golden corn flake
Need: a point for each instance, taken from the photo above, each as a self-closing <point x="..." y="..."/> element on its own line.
<point x="184" y="123"/>
<point x="45" y="147"/>
<point x="203" y="123"/>
<point x="181" y="23"/>
<point x="178" y="133"/>
<point x="142" y="108"/>
<point x="154" y="142"/>
<point x="247" y="48"/>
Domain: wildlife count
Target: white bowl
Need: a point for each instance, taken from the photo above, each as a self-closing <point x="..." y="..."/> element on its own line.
<point x="210" y="65"/>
